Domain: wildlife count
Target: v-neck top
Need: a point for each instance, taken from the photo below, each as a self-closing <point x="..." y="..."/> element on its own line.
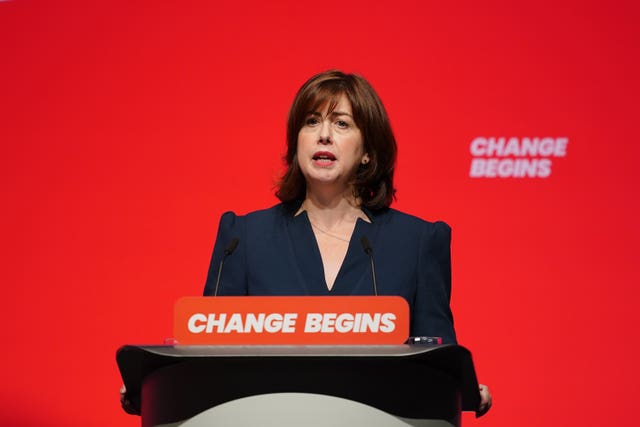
<point x="278" y="254"/>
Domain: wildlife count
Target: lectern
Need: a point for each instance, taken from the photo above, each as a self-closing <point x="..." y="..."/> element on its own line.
<point x="413" y="385"/>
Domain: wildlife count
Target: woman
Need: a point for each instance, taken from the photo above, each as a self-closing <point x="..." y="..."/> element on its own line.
<point x="337" y="190"/>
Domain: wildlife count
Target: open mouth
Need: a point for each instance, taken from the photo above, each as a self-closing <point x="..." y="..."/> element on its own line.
<point x="324" y="156"/>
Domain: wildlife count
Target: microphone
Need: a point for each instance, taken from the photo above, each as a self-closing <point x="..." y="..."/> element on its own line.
<point x="369" y="251"/>
<point x="233" y="244"/>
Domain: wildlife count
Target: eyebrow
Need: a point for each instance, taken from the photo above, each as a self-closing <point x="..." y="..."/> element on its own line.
<point x="340" y="113"/>
<point x="333" y="113"/>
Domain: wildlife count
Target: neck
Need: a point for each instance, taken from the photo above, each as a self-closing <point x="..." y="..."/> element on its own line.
<point x="328" y="212"/>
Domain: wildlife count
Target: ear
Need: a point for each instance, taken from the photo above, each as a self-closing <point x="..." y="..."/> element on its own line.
<point x="365" y="159"/>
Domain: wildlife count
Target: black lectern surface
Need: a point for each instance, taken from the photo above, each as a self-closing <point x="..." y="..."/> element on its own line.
<point x="172" y="383"/>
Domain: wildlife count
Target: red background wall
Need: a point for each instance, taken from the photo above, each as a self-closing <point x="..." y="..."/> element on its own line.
<point x="127" y="128"/>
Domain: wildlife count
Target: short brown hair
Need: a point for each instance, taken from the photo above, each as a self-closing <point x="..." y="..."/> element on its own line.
<point x="373" y="182"/>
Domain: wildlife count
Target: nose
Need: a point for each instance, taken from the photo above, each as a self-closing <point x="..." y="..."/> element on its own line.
<point x="325" y="135"/>
<point x="324" y="139"/>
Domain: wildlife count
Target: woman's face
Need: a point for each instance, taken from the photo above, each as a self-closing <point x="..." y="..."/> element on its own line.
<point x="330" y="146"/>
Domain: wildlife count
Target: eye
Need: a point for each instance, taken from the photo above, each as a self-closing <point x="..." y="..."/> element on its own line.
<point x="311" y="121"/>
<point x="342" y="124"/>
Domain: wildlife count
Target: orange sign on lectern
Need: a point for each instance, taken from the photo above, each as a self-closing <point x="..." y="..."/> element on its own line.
<point x="297" y="320"/>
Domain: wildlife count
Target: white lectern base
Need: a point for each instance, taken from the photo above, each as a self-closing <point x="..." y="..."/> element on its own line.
<point x="300" y="409"/>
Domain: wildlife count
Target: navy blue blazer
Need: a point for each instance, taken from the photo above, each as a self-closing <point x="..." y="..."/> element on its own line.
<point x="278" y="255"/>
